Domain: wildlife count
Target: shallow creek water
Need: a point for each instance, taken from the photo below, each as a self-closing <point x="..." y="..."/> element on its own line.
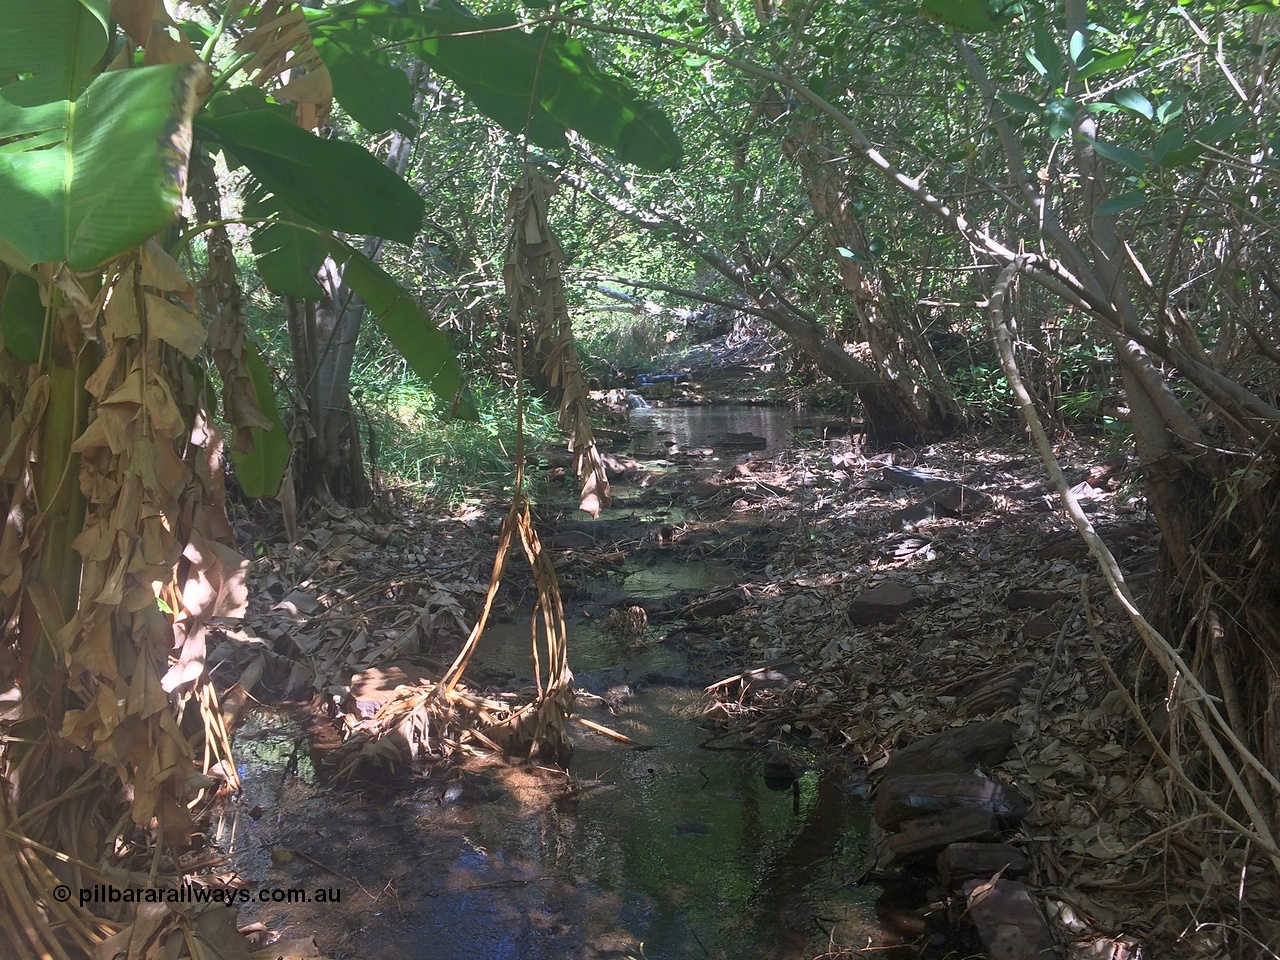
<point x="672" y="852"/>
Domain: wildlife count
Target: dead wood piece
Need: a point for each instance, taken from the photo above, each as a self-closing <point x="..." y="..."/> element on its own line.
<point x="962" y="862"/>
<point x="908" y="517"/>
<point x="742" y="441"/>
<point x="908" y="797"/>
<point x="957" y="499"/>
<point x="1034" y="599"/>
<point x="924" y="837"/>
<point x="996" y="694"/>
<point x="1009" y="921"/>
<point x="883" y="603"/>
<point x="716" y="605"/>
<point x="610" y="732"/>
<point x="957" y="750"/>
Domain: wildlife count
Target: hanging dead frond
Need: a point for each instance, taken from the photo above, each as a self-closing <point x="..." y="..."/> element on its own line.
<point x="532" y="275"/>
<point x="148" y="24"/>
<point x="285" y="62"/>
<point x="221" y="301"/>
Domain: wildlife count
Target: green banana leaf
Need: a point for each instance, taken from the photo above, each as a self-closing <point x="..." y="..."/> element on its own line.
<point x="260" y="469"/>
<point x="86" y="180"/>
<point x="48" y="50"/>
<point x="336" y="184"/>
<point x="539" y="80"/>
<point x="290" y="252"/>
<point x="375" y="93"/>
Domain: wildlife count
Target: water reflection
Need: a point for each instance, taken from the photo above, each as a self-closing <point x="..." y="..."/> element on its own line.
<point x="705" y="426"/>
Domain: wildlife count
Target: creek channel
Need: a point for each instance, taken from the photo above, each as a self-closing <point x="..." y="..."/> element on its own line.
<point x="671" y="852"/>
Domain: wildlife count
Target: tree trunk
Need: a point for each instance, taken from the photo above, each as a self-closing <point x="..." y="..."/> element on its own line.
<point x="328" y="332"/>
<point x="888" y="419"/>
<point x="915" y="389"/>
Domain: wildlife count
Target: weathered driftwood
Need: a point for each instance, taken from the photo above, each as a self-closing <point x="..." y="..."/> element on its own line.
<point x="907" y="797"/>
<point x="958" y="750"/>
<point x="1009" y="921"/>
<point x="962" y="862"/>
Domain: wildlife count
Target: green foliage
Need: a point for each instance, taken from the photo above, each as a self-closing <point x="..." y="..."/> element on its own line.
<point x="42" y="65"/>
<point x="624" y="340"/>
<point x="540" y="81"/>
<point x="973" y="15"/>
<point x="330" y="182"/>
<point x="443" y="457"/>
<point x="84" y="181"/>
<point x="260" y="469"/>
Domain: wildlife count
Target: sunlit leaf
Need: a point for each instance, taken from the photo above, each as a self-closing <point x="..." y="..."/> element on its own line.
<point x="48" y="49"/>
<point x="1133" y="101"/>
<point x="538" y="81"/>
<point x="973" y="16"/>
<point x="1108" y="61"/>
<point x="337" y="184"/>
<point x="85" y="181"/>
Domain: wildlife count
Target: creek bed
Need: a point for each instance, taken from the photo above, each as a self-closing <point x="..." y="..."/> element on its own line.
<point x="675" y="851"/>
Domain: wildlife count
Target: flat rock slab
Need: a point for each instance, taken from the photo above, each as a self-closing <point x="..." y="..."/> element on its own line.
<point x="962" y="862"/>
<point x="1009" y="921"/>
<point x="906" y="797"/>
<point x="923" y="838"/>
<point x="957" y="750"/>
<point x="883" y="603"/>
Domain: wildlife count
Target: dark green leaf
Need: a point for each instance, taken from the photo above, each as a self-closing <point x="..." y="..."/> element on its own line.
<point x="1221" y="129"/>
<point x="1059" y="115"/>
<point x="1133" y="101"/>
<point x="973" y="16"/>
<point x="1016" y="101"/>
<point x="1108" y="61"/>
<point x="22" y="318"/>
<point x="1045" y="55"/>
<point x="1126" y="201"/>
<point x="336" y="184"/>
<point x="408" y="327"/>
<point x="260" y="470"/>
<point x="1170" y="142"/>
<point x="375" y="93"/>
<point x="289" y="257"/>
<point x="1121" y="155"/>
